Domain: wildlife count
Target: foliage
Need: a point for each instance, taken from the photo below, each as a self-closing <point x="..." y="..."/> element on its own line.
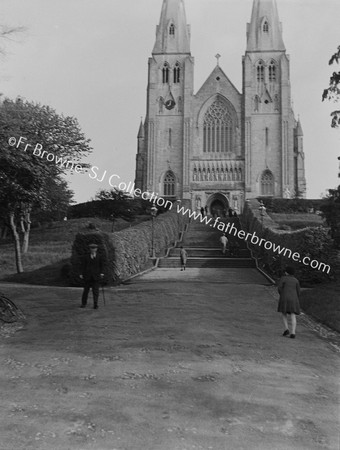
<point x="297" y="224"/>
<point x="112" y="205"/>
<point x="105" y="209"/>
<point x="8" y="33"/>
<point x="26" y="179"/>
<point x="290" y="205"/>
<point x="113" y="194"/>
<point x="333" y="91"/>
<point x="331" y="212"/>
<point x="59" y="198"/>
<point x="128" y="251"/>
<point x="314" y="243"/>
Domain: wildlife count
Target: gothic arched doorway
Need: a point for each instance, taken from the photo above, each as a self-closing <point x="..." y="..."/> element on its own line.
<point x="218" y="205"/>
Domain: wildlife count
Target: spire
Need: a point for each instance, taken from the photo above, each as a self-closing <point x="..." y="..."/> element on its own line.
<point x="141" y="134"/>
<point x="173" y="33"/>
<point x="298" y="128"/>
<point x="264" y="33"/>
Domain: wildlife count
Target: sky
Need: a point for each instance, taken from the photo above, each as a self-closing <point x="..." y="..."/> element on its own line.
<point x="89" y="59"/>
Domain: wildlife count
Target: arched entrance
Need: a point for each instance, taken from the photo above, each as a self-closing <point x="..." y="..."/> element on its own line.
<point x="218" y="205"/>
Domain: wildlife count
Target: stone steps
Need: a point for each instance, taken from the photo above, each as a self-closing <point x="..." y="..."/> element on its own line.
<point x="196" y="262"/>
<point x="207" y="252"/>
<point x="204" y="249"/>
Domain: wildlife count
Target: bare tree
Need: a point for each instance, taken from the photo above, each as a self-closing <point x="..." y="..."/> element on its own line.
<point x="10" y="34"/>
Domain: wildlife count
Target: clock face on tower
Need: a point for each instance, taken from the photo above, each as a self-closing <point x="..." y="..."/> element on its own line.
<point x="170" y="104"/>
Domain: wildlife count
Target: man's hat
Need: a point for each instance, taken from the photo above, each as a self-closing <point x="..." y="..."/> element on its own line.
<point x="93" y="246"/>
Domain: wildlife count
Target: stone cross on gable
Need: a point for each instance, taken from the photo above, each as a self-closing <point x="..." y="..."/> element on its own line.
<point x="218" y="56"/>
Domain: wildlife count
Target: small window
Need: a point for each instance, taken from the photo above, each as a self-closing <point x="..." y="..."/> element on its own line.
<point x="172" y="30"/>
<point x="177" y="73"/>
<point x="267" y="183"/>
<point x="165" y="73"/>
<point x="169" y="185"/>
<point x="266" y="27"/>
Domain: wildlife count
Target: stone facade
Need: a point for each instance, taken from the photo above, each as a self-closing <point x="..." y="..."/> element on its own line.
<point x="219" y="147"/>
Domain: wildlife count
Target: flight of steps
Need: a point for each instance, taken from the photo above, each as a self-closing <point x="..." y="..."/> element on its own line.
<point x="202" y="244"/>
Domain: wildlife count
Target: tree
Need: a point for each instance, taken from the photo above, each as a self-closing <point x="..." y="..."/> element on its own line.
<point x="331" y="212"/>
<point x="7" y="34"/>
<point x="59" y="199"/>
<point x="333" y="91"/>
<point x="37" y="146"/>
<point x="331" y="208"/>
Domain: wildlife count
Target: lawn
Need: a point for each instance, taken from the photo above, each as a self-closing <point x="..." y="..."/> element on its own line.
<point x="322" y="303"/>
<point x="50" y="249"/>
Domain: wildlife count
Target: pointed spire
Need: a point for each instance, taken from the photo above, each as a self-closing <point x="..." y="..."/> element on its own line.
<point x="298" y="129"/>
<point x="173" y="33"/>
<point x="264" y="33"/>
<point x="141" y="133"/>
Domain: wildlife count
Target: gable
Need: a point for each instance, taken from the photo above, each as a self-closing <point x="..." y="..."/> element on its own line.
<point x="219" y="83"/>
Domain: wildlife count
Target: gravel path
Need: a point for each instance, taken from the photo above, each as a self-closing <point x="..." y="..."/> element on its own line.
<point x="172" y="362"/>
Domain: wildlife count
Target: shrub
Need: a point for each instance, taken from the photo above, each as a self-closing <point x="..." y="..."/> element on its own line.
<point x="312" y="242"/>
<point x="291" y="205"/>
<point x="128" y="251"/>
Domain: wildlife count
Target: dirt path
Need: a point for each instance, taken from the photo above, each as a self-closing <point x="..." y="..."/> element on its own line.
<point x="171" y="363"/>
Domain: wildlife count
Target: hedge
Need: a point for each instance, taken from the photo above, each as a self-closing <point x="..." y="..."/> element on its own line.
<point x="128" y="251"/>
<point x="291" y="205"/>
<point x="313" y="242"/>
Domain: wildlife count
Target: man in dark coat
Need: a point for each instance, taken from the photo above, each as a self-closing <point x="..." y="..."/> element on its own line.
<point x="92" y="273"/>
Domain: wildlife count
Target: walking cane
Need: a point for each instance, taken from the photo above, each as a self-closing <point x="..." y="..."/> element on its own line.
<point x="103" y="291"/>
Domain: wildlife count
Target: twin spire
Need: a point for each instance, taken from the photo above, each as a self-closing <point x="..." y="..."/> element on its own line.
<point x="264" y="33"/>
<point x="173" y="33"/>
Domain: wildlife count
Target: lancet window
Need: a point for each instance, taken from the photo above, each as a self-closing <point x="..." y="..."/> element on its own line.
<point x="260" y="72"/>
<point x="165" y="73"/>
<point x="169" y="184"/>
<point x="267" y="183"/>
<point x="177" y="73"/>
<point x="272" y="72"/>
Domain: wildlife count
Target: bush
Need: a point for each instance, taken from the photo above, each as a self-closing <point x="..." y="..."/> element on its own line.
<point x="312" y="242"/>
<point x="128" y="251"/>
<point x="298" y="224"/>
<point x="110" y="209"/>
<point x="291" y="205"/>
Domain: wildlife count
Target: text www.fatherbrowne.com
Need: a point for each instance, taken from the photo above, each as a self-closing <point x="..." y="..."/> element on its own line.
<point x="253" y="239"/>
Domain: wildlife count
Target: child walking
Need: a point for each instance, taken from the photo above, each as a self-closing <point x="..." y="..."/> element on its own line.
<point x="289" y="290"/>
<point x="183" y="257"/>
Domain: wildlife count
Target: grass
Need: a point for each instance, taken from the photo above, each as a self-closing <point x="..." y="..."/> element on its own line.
<point x="323" y="304"/>
<point x="50" y="249"/>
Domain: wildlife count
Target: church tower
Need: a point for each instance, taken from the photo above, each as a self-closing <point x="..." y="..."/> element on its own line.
<point x="217" y="147"/>
<point x="163" y="141"/>
<point x="269" y="123"/>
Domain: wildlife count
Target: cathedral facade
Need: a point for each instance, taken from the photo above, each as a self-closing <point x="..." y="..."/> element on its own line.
<point x="218" y="147"/>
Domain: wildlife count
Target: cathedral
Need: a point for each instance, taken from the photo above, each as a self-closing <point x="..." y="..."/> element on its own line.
<point x="219" y="147"/>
